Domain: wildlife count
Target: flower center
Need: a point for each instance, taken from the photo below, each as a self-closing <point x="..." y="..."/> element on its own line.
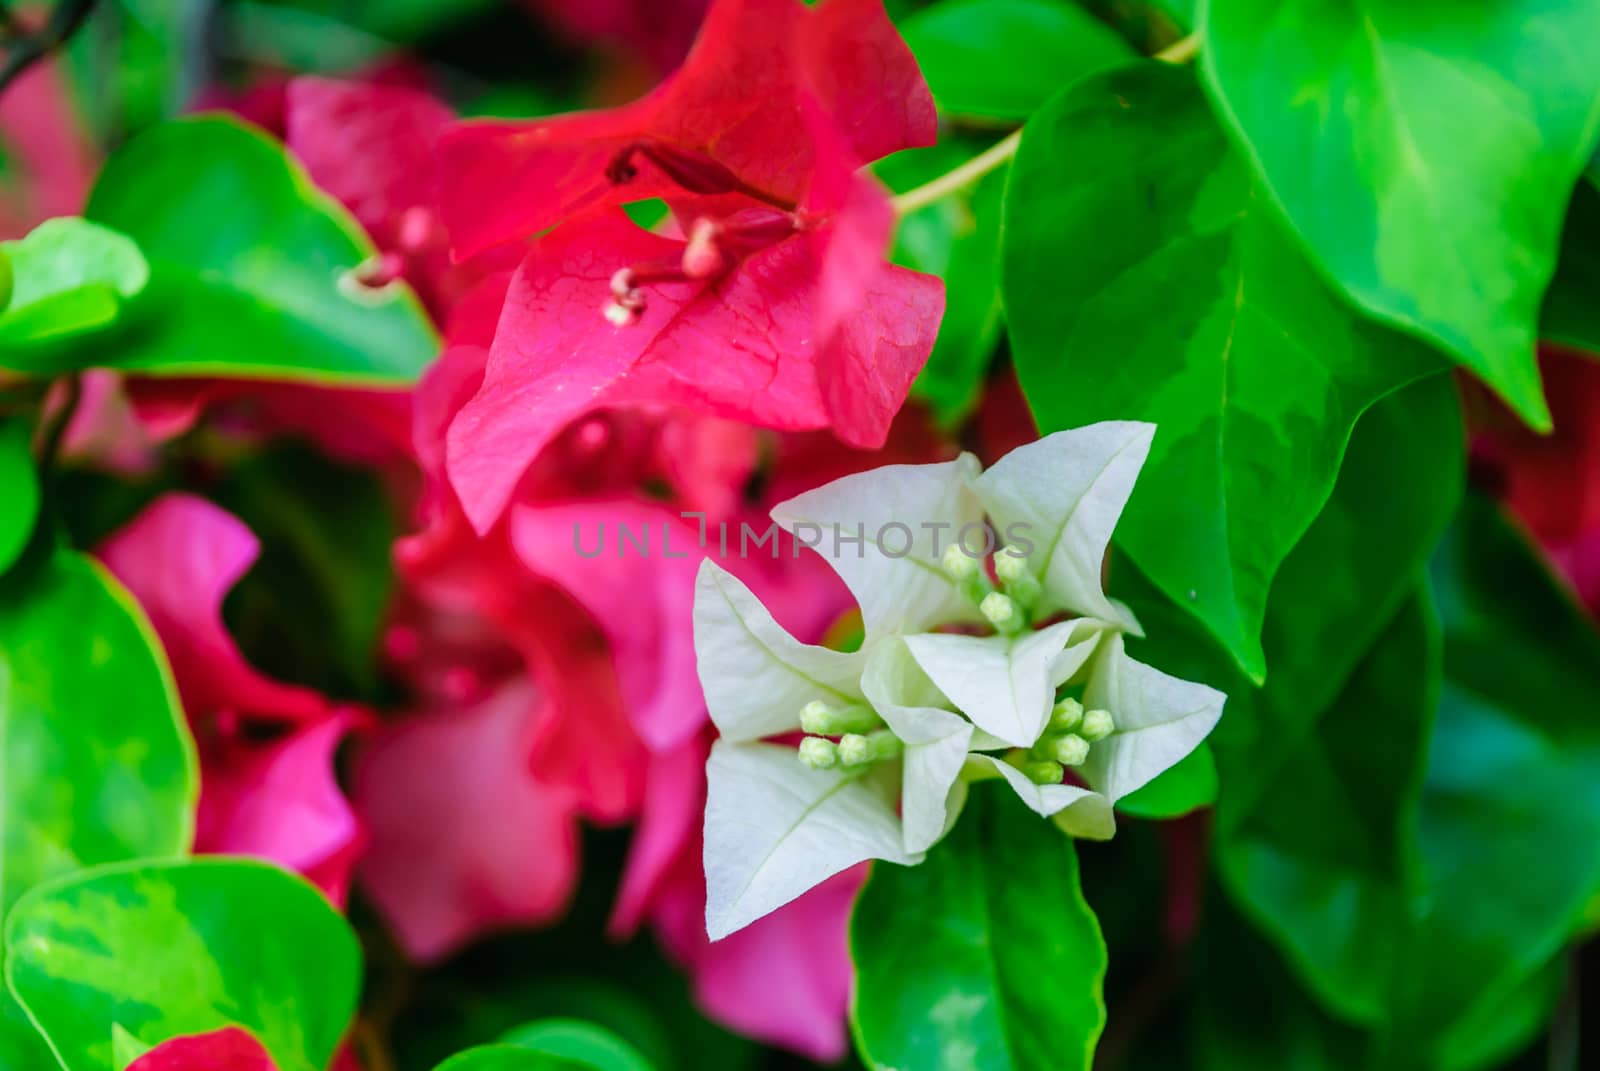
<point x="715" y="247"/>
<point x="1066" y="742"/>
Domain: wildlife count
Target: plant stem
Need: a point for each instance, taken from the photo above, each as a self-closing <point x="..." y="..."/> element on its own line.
<point x="997" y="154"/>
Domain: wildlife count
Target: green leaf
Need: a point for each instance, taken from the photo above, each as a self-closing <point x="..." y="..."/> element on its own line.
<point x="1572" y="305"/>
<point x="166" y="949"/>
<point x="1491" y="1034"/>
<point x="98" y="767"/>
<point x="1180" y="789"/>
<point x="506" y="1058"/>
<point x="1156" y="285"/>
<point x="1001" y="59"/>
<point x="584" y="1044"/>
<point x="1343" y="582"/>
<point x="132" y="64"/>
<point x="1455" y="949"/>
<point x="1424" y="150"/>
<point x="250" y="265"/>
<point x="1326" y="859"/>
<point x="958" y="239"/>
<point x="1510" y="820"/>
<point x="1296" y="850"/>
<point x="985" y="957"/>
<point x="69" y="277"/>
<point x="21" y="483"/>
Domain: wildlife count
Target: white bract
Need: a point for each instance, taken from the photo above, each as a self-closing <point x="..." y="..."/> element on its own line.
<point x="951" y="684"/>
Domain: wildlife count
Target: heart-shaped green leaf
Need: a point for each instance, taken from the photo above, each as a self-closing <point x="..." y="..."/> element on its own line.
<point x="168" y="949"/>
<point x="1157" y="285"/>
<point x="1424" y="150"/>
<point x="983" y="958"/>
<point x="252" y="268"/>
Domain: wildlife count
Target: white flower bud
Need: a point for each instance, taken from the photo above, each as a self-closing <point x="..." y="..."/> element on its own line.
<point x="1066" y="715"/>
<point x="1070" y="750"/>
<point x="1097" y="725"/>
<point x="1009" y="565"/>
<point x="819" y="754"/>
<point x="958" y="564"/>
<point x="1001" y="612"/>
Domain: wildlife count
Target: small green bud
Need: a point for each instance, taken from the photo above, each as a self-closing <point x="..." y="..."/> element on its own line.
<point x="958" y="564"/>
<point x="819" y="754"/>
<point x="1039" y="771"/>
<point x="1009" y="565"/>
<point x="1001" y="612"/>
<point x="857" y="749"/>
<point x="821" y="719"/>
<point x="1097" y="725"/>
<point x="1069" y="750"/>
<point x="1066" y="716"/>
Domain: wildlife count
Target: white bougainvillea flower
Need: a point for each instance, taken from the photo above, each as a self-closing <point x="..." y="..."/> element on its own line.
<point x="1159" y="719"/>
<point x="776" y="826"/>
<point x="925" y="507"/>
<point x="953" y="681"/>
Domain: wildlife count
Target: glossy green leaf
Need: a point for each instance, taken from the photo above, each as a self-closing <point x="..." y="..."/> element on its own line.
<point x="585" y="1044"/>
<point x="507" y="1058"/>
<point x="1302" y="857"/>
<point x="1424" y="150"/>
<point x="1312" y="831"/>
<point x="958" y="239"/>
<point x="986" y="956"/>
<point x="70" y="276"/>
<point x="166" y="949"/>
<point x="1001" y="59"/>
<point x="1186" y="787"/>
<point x="20" y="481"/>
<point x="98" y="767"/>
<point x="251" y="266"/>
<point x="1156" y="285"/>
<point x="1343" y="582"/>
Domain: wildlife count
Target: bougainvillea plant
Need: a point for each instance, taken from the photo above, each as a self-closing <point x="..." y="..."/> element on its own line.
<point x="911" y="535"/>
